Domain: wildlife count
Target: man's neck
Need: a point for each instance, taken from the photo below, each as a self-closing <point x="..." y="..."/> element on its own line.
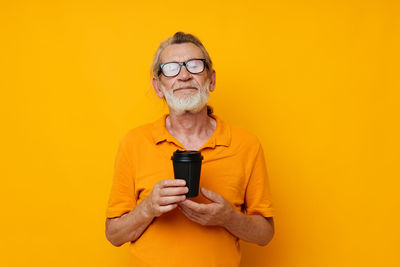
<point x="191" y="129"/>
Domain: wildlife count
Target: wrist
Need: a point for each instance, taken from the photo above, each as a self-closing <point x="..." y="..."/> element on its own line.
<point x="147" y="209"/>
<point x="230" y="218"/>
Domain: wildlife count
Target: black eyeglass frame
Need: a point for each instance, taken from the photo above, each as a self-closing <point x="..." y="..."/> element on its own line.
<point x="183" y="64"/>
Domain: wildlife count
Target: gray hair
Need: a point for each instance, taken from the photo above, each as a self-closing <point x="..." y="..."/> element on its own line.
<point x="178" y="38"/>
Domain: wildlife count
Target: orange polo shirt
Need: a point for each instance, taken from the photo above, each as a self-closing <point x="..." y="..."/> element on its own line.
<point x="233" y="166"/>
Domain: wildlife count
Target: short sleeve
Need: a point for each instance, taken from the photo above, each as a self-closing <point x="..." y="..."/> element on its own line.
<point x="122" y="196"/>
<point x="258" y="196"/>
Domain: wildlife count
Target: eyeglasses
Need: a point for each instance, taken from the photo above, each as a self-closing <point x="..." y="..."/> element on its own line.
<point x="172" y="69"/>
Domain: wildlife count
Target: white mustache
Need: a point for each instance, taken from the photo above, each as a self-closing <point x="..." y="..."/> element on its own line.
<point x="179" y="86"/>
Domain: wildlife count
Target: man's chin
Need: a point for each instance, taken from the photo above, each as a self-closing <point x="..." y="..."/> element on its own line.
<point x="187" y="103"/>
<point x="182" y="110"/>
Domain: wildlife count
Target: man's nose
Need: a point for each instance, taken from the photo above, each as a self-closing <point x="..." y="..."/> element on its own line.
<point x="184" y="75"/>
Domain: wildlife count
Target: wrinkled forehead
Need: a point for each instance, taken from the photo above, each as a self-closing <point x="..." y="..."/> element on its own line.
<point x="181" y="52"/>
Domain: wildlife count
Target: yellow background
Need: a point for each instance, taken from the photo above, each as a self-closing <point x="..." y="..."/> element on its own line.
<point x="317" y="81"/>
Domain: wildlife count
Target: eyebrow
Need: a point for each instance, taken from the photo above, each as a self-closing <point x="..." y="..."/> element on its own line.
<point x="180" y="61"/>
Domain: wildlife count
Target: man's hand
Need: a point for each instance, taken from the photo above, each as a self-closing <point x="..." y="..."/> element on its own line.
<point x="165" y="196"/>
<point x="130" y="226"/>
<point x="218" y="212"/>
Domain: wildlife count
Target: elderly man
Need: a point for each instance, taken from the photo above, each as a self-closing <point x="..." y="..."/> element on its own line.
<point x="149" y="209"/>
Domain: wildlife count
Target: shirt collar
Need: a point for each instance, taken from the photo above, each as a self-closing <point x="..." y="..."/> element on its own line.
<point x="221" y="135"/>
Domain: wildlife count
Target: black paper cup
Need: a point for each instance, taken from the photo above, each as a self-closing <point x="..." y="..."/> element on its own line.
<point x="187" y="166"/>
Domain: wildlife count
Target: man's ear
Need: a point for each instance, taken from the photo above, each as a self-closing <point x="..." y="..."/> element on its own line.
<point x="157" y="87"/>
<point x="212" y="81"/>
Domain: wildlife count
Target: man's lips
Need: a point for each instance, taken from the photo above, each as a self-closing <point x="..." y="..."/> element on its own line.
<point x="185" y="88"/>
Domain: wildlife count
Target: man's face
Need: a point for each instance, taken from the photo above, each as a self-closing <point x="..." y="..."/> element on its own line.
<point x="187" y="91"/>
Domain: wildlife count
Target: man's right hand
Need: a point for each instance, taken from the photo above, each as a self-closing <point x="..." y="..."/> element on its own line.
<point x="165" y="196"/>
<point x="130" y="226"/>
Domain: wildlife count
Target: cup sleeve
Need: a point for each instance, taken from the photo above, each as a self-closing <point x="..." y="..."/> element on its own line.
<point x="122" y="196"/>
<point x="258" y="199"/>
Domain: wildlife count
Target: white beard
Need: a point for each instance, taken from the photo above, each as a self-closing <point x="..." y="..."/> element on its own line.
<point x="182" y="104"/>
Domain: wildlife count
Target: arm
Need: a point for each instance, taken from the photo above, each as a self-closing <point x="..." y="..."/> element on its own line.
<point x="164" y="197"/>
<point x="129" y="226"/>
<point x="251" y="228"/>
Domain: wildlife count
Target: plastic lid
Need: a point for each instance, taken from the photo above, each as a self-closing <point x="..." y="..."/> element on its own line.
<point x="187" y="155"/>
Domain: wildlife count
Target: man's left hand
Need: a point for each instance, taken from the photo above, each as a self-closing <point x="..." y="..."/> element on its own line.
<point x="218" y="212"/>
